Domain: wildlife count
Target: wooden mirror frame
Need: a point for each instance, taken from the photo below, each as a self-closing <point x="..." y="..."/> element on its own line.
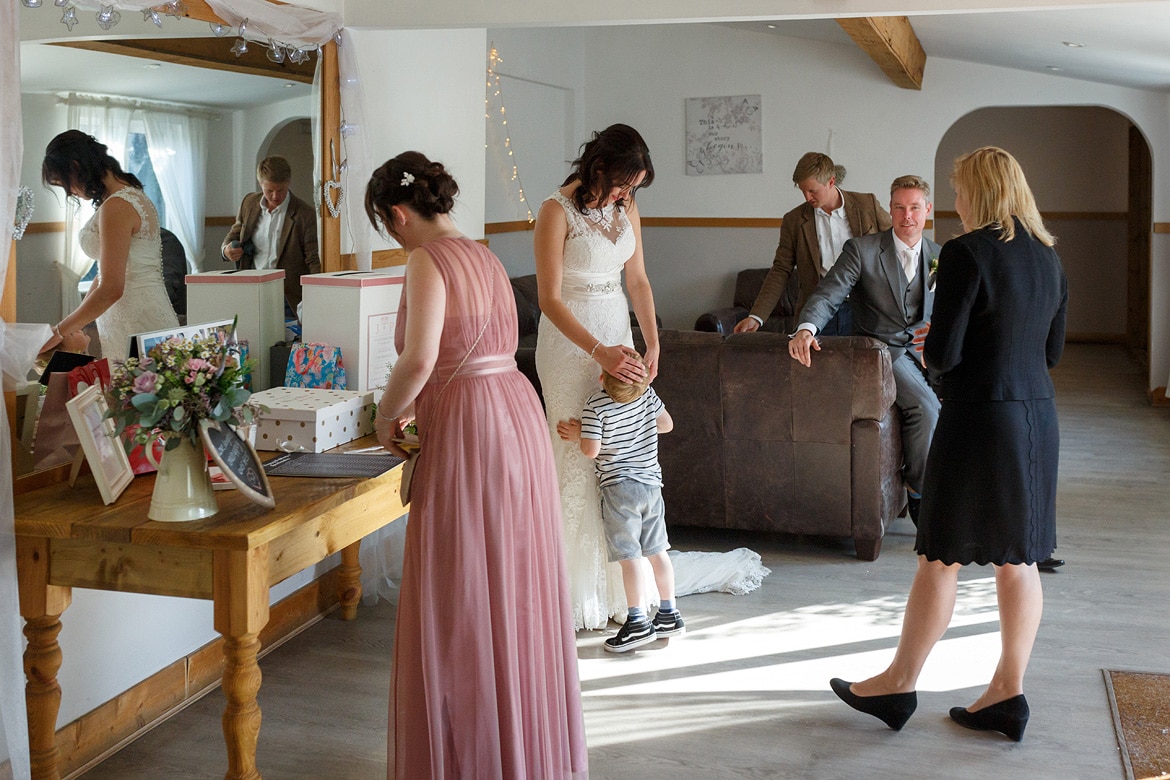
<point x="199" y="54"/>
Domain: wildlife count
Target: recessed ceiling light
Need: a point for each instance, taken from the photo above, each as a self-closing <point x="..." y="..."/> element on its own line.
<point x="1073" y="44"/>
<point x="152" y="65"/>
<point x="771" y="27"/>
<point x="289" y="85"/>
<point x="1054" y="68"/>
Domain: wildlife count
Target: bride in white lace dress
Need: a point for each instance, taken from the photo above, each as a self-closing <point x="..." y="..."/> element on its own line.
<point x="587" y="233"/>
<point x="128" y="296"/>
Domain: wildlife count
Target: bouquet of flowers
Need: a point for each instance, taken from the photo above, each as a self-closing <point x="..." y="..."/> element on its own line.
<point x="177" y="384"/>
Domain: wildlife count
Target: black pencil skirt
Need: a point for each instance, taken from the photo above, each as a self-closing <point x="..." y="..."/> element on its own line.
<point x="989" y="494"/>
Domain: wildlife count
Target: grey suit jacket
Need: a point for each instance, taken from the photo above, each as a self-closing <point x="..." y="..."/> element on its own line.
<point x="869" y="273"/>
<point x="799" y="250"/>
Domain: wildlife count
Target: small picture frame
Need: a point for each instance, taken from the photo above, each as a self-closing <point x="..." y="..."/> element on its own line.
<point x="103" y="449"/>
<point x="238" y="461"/>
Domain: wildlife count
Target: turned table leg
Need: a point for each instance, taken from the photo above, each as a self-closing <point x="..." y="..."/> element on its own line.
<point x="42" y="661"/>
<point x="241" y="717"/>
<point x="240" y="590"/>
<point x="350" y="574"/>
<point x="41" y="605"/>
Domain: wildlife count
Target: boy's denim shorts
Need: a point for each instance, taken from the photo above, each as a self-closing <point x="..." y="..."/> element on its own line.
<point x="634" y="520"/>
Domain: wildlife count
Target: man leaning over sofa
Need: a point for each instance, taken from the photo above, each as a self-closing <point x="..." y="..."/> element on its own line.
<point x="889" y="280"/>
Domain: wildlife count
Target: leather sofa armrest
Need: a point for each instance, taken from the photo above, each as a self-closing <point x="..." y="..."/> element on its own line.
<point x="873" y="378"/>
<point x="722" y="321"/>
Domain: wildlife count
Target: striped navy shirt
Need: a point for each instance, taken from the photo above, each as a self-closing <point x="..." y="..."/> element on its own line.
<point x="628" y="434"/>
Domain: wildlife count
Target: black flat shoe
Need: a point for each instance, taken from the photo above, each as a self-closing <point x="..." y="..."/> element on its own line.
<point x="1008" y="717"/>
<point x="893" y="709"/>
<point x="1050" y="564"/>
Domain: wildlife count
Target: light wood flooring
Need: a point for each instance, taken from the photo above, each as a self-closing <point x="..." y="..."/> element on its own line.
<point x="745" y="694"/>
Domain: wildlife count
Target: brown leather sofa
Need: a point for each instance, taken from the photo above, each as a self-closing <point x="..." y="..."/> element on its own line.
<point x="762" y="443"/>
<point x="747" y="286"/>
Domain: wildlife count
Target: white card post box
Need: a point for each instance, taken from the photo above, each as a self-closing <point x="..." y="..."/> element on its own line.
<point x="255" y="297"/>
<point x="357" y="311"/>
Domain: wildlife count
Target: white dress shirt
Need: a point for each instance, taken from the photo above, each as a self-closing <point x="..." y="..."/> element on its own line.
<point x="266" y="236"/>
<point x="832" y="233"/>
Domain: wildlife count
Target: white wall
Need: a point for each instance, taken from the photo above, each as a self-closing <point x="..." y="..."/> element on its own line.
<point x="423" y="91"/>
<point x="816" y="96"/>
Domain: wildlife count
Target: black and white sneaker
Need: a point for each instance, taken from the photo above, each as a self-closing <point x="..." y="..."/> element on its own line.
<point x="632" y="634"/>
<point x="669" y="624"/>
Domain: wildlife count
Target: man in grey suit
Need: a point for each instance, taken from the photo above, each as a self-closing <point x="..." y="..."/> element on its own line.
<point x="889" y="280"/>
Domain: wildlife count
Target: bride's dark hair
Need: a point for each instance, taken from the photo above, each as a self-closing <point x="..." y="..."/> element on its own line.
<point x="612" y="158"/>
<point x="76" y="159"/>
<point x="413" y="180"/>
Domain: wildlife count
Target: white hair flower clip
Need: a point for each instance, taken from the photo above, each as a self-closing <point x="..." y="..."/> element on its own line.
<point x="407" y="180"/>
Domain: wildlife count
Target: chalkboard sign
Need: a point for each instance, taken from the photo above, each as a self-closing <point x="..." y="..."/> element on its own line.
<point x="238" y="461"/>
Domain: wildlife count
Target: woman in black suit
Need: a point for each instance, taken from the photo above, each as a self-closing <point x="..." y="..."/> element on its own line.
<point x="990" y="484"/>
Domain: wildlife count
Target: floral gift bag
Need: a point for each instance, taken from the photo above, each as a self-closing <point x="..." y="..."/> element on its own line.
<point x="315" y="365"/>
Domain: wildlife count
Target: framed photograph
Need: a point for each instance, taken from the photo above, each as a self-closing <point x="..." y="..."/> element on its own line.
<point x="103" y="449"/>
<point x="140" y="343"/>
<point x="238" y="460"/>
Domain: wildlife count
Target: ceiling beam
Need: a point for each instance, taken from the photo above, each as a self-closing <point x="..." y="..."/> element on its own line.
<point x="891" y="43"/>
<point x="212" y="53"/>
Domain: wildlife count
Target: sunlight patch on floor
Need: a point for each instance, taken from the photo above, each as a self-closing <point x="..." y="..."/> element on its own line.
<point x="768" y="638"/>
<point x="648" y="721"/>
<point x="962" y="662"/>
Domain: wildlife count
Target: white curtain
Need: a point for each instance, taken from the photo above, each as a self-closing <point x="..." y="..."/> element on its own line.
<point x="178" y="152"/>
<point x="109" y="124"/>
<point x="13" y="720"/>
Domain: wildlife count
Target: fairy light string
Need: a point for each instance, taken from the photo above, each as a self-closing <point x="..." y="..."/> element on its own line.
<point x="494" y="91"/>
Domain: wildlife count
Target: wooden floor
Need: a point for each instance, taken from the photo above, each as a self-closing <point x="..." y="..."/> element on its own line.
<point x="745" y="694"/>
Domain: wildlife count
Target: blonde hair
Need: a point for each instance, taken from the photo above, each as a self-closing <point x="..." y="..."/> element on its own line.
<point x="814" y="165"/>
<point x="993" y="184"/>
<point x="275" y="170"/>
<point x="622" y="391"/>
<point x="911" y="183"/>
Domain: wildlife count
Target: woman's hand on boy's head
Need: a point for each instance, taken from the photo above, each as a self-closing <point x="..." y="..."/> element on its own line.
<point x="651" y="359"/>
<point x="569" y="430"/>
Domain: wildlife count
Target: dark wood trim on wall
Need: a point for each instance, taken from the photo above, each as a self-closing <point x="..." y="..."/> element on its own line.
<point x="59" y="227"/>
<point x="518" y="226"/>
<point x="1162" y="227"/>
<point x="1088" y="216"/>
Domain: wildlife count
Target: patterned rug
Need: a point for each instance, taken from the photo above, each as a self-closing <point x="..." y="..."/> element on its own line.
<point x="1141" y="716"/>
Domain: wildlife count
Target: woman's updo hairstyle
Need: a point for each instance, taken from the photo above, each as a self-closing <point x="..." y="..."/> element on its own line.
<point x="410" y="179"/>
<point x="612" y="158"/>
<point x="75" y="159"/>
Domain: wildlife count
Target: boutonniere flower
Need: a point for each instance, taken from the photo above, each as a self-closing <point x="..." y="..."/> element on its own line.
<point x="933" y="267"/>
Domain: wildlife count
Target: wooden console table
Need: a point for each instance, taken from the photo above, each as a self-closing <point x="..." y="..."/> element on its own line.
<point x="66" y="539"/>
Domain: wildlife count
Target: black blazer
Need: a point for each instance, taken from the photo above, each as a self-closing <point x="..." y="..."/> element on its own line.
<point x="998" y="320"/>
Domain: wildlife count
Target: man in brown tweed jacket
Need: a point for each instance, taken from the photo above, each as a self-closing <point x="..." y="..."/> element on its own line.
<point x="811" y="238"/>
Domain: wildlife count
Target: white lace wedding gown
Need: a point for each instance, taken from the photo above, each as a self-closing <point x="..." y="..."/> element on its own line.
<point x="596" y="250"/>
<point x="144" y="305"/>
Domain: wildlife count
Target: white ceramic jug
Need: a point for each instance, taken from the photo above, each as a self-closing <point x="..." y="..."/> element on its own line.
<point x="182" y="487"/>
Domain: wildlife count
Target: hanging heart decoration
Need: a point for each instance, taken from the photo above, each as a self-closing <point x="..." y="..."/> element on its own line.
<point x="333" y="203"/>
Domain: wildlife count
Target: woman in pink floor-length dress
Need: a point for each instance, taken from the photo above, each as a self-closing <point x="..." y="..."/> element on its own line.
<point x="484" y="681"/>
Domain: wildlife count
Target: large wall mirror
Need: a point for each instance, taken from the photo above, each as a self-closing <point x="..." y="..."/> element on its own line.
<point x="249" y="107"/>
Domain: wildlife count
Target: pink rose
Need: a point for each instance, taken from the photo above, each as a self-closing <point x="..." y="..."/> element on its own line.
<point x="147" y="382"/>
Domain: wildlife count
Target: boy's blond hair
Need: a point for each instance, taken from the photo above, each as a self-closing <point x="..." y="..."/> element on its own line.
<point x="622" y="391"/>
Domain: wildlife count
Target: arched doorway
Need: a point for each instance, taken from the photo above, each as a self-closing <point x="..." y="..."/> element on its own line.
<point x="1090" y="168"/>
<point x="293" y="140"/>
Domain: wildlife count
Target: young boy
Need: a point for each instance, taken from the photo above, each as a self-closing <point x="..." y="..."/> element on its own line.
<point x="619" y="428"/>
